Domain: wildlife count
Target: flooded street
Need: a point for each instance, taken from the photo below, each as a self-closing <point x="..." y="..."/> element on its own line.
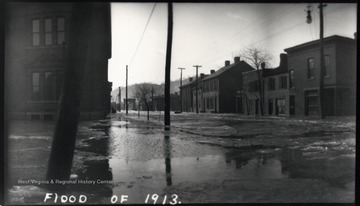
<point x="143" y="160"/>
<point x="206" y="161"/>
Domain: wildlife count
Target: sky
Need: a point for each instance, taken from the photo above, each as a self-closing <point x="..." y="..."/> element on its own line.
<point x="207" y="34"/>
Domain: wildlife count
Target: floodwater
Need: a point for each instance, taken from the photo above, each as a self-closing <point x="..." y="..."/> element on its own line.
<point x="142" y="161"/>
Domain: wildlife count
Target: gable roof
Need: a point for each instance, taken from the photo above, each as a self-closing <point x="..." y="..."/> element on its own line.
<point x="219" y="72"/>
<point x="194" y="81"/>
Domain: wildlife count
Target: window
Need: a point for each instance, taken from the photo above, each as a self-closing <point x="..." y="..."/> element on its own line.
<point x="282" y="82"/>
<point x="46" y="85"/>
<point x="35" y="91"/>
<point x="49" y="86"/>
<point x="291" y="80"/>
<point x="310" y="68"/>
<point x="271" y="84"/>
<point x="60" y="30"/>
<point x="36" y="32"/>
<point x="48" y="31"/>
<point x="254" y="86"/>
<point x="326" y="65"/>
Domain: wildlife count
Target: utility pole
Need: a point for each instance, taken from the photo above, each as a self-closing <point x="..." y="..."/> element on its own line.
<point x="168" y="66"/>
<point x="322" y="60"/>
<point x="126" y="92"/>
<point x="119" y="99"/>
<point x="181" y="89"/>
<point x="197" y="98"/>
<point x="64" y="137"/>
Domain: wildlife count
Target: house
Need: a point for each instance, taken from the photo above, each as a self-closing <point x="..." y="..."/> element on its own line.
<point x="35" y="49"/>
<point x="174" y="102"/>
<point x="220" y="87"/>
<point x="278" y="89"/>
<point x="189" y="94"/>
<point x="276" y="85"/>
<point x="339" y="78"/>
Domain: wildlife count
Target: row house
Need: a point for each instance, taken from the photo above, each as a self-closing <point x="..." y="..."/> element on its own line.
<point x="275" y="87"/>
<point x="339" y="78"/>
<point x="219" y="88"/>
<point x="36" y="45"/>
<point x="188" y="91"/>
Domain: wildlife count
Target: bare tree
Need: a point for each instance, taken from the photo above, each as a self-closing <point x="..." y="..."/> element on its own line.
<point x="145" y="93"/>
<point x="257" y="56"/>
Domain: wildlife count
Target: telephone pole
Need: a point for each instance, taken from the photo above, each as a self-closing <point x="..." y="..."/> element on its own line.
<point x="126" y="92"/>
<point x="322" y="60"/>
<point x="197" y="101"/>
<point x="181" y="88"/>
<point x="168" y="66"/>
<point x="119" y="99"/>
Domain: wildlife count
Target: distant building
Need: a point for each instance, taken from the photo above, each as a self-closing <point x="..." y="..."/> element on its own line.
<point x="174" y="102"/>
<point x="35" y="51"/>
<point x="339" y="79"/>
<point x="131" y="104"/>
<point x="220" y="87"/>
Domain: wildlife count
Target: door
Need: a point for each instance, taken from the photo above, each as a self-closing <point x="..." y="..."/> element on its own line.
<point x="256" y="106"/>
<point x="271" y="106"/>
<point x="292" y="105"/>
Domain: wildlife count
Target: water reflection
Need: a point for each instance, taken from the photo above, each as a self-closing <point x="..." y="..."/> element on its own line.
<point x="95" y="176"/>
<point x="137" y="157"/>
<point x="336" y="171"/>
<point x="167" y="156"/>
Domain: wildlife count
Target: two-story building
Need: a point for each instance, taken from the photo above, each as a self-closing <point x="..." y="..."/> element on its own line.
<point x="220" y="87"/>
<point x="189" y="94"/>
<point x="339" y="78"/>
<point x="36" y="46"/>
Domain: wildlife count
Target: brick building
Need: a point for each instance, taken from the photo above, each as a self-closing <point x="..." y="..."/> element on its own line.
<point x="220" y="87"/>
<point x="339" y="78"/>
<point x="189" y="94"/>
<point x="35" y="50"/>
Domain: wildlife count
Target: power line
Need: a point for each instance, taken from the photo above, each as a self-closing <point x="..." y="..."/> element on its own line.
<point x="147" y="23"/>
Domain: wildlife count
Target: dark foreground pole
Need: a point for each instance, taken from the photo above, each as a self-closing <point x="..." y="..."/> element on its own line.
<point x="168" y="67"/>
<point x="63" y="144"/>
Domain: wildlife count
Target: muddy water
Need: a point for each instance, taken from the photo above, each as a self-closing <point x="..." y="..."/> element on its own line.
<point x="144" y="161"/>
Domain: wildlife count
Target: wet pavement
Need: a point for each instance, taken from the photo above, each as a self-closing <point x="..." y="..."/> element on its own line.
<point x="238" y="161"/>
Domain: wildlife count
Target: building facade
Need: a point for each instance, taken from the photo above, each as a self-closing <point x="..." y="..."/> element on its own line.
<point x="189" y="94"/>
<point x="339" y="78"/>
<point x="220" y="87"/>
<point x="36" y="36"/>
<point x="275" y="90"/>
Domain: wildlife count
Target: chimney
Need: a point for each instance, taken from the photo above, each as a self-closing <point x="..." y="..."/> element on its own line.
<point x="212" y="71"/>
<point x="190" y="79"/>
<point x="263" y="65"/>
<point x="283" y="60"/>
<point x="236" y="59"/>
<point x="202" y="75"/>
<point x="227" y="63"/>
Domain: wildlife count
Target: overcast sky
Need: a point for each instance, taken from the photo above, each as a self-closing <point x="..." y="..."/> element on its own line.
<point x="208" y="34"/>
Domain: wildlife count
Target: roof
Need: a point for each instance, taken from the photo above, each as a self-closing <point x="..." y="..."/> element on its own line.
<point x="224" y="69"/>
<point x="193" y="81"/>
<point x="316" y="42"/>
